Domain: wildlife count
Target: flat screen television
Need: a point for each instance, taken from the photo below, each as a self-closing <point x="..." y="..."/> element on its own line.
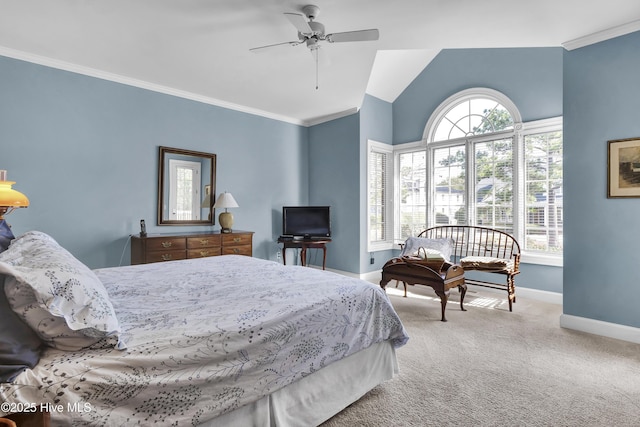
<point x="306" y="222"/>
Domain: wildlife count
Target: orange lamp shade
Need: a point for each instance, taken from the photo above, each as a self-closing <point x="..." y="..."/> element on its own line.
<point x="10" y="197"/>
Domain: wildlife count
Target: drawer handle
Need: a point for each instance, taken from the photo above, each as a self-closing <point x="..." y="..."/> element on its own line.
<point x="236" y="250"/>
<point x="204" y="242"/>
<point x="167" y="244"/>
<point x="167" y="257"/>
<point x="237" y="239"/>
<point x="204" y="253"/>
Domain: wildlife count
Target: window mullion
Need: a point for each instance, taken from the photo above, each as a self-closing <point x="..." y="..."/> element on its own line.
<point x="471" y="182"/>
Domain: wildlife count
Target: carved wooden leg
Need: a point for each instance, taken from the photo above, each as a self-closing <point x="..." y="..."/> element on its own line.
<point x="511" y="291"/>
<point x="444" y="297"/>
<point x="463" y="291"/>
<point x="324" y="256"/>
<point x="303" y="256"/>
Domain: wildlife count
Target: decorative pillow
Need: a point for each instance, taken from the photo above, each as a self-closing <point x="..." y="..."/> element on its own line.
<point x="19" y="345"/>
<point x="6" y="236"/>
<point x="486" y="263"/>
<point x="431" y="246"/>
<point x="62" y="300"/>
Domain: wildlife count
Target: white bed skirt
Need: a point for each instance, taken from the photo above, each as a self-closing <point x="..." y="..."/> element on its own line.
<point x="319" y="396"/>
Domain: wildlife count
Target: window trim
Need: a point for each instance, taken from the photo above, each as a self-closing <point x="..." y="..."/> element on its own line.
<point x="408" y="147"/>
<point x="552" y="124"/>
<point x="479" y="92"/>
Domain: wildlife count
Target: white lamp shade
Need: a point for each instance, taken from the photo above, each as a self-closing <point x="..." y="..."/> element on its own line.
<point x="225" y="200"/>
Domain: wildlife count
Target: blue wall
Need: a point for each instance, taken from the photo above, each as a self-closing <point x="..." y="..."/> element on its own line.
<point x="376" y="124"/>
<point x="334" y="180"/>
<point x="531" y="78"/>
<point x="601" y="258"/>
<point x="85" y="152"/>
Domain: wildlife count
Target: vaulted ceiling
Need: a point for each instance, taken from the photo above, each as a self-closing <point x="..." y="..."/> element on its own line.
<point x="200" y="49"/>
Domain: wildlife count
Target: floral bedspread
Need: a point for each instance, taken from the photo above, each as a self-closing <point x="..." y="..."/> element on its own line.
<point x="205" y="337"/>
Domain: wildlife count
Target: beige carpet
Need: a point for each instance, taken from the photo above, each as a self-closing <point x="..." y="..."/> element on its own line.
<point x="490" y="367"/>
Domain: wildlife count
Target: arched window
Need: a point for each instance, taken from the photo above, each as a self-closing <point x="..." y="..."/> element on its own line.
<point x="483" y="166"/>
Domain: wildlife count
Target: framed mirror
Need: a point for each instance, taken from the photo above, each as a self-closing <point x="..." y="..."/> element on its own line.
<point x="186" y="187"/>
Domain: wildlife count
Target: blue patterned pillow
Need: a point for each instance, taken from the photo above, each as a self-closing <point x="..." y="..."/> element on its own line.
<point x="19" y="345"/>
<point x="6" y="236"/>
<point x="62" y="300"/>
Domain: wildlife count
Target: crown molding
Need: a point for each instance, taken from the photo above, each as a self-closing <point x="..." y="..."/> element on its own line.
<point x="600" y="36"/>
<point x="329" y="117"/>
<point x="92" y="72"/>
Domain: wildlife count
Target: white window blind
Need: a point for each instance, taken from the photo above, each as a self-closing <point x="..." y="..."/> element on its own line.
<point x="412" y="184"/>
<point x="543" y="187"/>
<point x="380" y="196"/>
<point x="449" y="186"/>
<point x="494" y="184"/>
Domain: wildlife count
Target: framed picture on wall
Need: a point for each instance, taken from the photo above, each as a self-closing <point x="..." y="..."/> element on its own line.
<point x="624" y="168"/>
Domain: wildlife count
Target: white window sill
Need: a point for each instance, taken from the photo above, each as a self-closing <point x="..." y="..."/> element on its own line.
<point x="542" y="259"/>
<point x="376" y="247"/>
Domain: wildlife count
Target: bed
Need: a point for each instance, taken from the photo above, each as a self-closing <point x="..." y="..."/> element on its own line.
<point x="229" y="340"/>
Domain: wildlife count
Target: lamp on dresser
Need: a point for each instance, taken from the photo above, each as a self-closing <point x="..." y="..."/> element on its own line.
<point x="10" y="199"/>
<point x="226" y="200"/>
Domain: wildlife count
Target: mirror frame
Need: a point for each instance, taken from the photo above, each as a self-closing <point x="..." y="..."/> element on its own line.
<point x="164" y="151"/>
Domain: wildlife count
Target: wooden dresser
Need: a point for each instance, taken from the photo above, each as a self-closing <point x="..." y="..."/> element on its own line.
<point x="170" y="246"/>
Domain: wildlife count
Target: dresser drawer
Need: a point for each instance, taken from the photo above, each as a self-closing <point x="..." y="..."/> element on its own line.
<point x="166" y="244"/>
<point x="159" y="256"/>
<point x="204" y="242"/>
<point x="236" y="239"/>
<point x="172" y="247"/>
<point x="237" y="250"/>
<point x="203" y="252"/>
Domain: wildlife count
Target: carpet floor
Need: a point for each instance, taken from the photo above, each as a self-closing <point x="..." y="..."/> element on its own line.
<point x="490" y="367"/>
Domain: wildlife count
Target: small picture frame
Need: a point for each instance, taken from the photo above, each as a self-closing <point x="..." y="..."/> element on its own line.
<point x="623" y="168"/>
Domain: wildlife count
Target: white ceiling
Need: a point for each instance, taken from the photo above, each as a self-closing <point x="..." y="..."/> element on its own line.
<point x="199" y="49"/>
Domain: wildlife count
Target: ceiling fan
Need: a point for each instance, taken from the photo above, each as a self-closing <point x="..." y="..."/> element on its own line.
<point x="312" y="33"/>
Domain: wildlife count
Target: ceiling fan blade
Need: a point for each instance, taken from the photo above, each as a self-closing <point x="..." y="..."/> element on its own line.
<point x="299" y="21"/>
<point x="261" y="49"/>
<point x="354" y="36"/>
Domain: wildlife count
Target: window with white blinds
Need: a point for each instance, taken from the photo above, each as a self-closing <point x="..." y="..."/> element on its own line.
<point x="493" y="202"/>
<point x="449" y="188"/>
<point x="412" y="200"/>
<point x="380" y="196"/>
<point x="543" y="192"/>
<point x="480" y="165"/>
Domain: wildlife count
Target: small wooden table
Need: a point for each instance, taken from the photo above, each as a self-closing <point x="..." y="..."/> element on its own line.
<point x="304" y="244"/>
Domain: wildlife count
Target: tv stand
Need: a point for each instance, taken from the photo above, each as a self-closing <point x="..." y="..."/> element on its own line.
<point x="304" y="244"/>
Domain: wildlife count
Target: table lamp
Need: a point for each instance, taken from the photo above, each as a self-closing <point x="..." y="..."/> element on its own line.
<point x="226" y="200"/>
<point x="206" y="202"/>
<point x="10" y="199"/>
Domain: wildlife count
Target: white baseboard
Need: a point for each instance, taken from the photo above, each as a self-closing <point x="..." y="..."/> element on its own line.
<point x="598" y="327"/>
<point x="534" y="294"/>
